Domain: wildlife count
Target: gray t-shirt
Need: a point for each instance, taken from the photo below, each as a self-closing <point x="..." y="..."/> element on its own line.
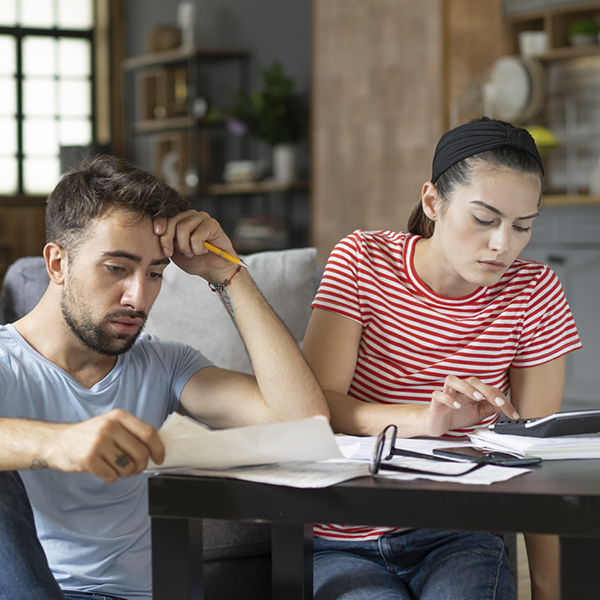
<point x="96" y="535"/>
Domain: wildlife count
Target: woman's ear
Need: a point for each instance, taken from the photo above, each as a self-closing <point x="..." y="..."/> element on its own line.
<point x="56" y="263"/>
<point x="429" y="200"/>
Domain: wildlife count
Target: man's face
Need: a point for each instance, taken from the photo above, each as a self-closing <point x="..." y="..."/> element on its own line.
<point x="112" y="282"/>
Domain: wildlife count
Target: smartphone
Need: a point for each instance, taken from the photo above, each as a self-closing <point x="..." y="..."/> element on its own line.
<point x="468" y="453"/>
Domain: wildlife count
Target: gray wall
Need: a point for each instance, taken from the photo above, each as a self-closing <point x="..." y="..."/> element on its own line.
<point x="271" y="30"/>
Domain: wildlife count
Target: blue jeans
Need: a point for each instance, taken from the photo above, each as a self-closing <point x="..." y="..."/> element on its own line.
<point x="88" y="596"/>
<point x="24" y="570"/>
<point x="419" y="564"/>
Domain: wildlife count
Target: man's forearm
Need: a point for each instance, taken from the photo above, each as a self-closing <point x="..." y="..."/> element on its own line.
<point x="287" y="385"/>
<point x="23" y="444"/>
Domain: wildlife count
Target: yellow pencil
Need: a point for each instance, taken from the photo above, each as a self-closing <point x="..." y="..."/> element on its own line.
<point x="225" y="255"/>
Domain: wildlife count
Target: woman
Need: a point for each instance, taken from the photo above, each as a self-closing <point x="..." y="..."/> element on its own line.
<point x="429" y="330"/>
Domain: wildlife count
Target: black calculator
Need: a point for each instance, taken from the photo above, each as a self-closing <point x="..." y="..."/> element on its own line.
<point x="577" y="422"/>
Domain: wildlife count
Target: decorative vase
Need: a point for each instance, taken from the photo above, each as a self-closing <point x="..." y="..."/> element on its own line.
<point x="284" y="163"/>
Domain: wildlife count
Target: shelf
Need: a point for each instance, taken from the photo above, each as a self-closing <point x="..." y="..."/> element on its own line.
<point x="570" y="200"/>
<point x="181" y="55"/>
<point x="185" y="122"/>
<point x="254" y="187"/>
<point x="569" y="52"/>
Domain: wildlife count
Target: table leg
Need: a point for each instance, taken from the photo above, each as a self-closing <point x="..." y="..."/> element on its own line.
<point x="177" y="559"/>
<point x="291" y="560"/>
<point x="580" y="575"/>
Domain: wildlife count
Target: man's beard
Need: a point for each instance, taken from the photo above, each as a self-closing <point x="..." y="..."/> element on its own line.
<point x="97" y="336"/>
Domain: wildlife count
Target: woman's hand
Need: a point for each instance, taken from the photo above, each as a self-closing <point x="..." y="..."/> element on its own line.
<point x="462" y="403"/>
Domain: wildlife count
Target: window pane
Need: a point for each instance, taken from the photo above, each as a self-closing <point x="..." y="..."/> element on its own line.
<point x="8" y="175"/>
<point x="37" y="13"/>
<point x="8" y="96"/>
<point x="8" y="64"/>
<point x="39" y="97"/>
<point x="75" y="132"/>
<point x="8" y="136"/>
<point x="40" y="175"/>
<point x="38" y="55"/>
<point x="40" y="137"/>
<point x="74" y="57"/>
<point x="8" y="14"/>
<point x="74" y="98"/>
<point x="75" y="14"/>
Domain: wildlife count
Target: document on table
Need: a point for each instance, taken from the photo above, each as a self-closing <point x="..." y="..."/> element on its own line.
<point x="550" y="448"/>
<point x="190" y="444"/>
<point x="302" y="454"/>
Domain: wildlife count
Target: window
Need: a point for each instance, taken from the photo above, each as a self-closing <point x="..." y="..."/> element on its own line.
<point x="46" y="89"/>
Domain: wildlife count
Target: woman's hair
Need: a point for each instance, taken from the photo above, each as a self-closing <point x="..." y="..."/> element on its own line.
<point x="504" y="157"/>
<point x="83" y="194"/>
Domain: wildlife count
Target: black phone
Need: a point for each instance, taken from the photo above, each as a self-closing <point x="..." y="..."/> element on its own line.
<point x="492" y="457"/>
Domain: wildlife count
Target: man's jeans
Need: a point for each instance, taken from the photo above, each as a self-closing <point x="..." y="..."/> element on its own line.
<point x="414" y="565"/>
<point x="24" y="571"/>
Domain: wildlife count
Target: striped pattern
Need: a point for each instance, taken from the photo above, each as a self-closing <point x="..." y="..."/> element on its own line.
<point x="413" y="338"/>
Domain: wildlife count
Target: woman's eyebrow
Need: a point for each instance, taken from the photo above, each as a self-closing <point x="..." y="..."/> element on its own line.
<point x="501" y="214"/>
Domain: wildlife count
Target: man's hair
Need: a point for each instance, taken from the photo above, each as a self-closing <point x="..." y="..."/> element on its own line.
<point x="95" y="184"/>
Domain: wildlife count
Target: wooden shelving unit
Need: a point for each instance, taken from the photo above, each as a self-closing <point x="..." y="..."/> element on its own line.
<point x="555" y="22"/>
<point x="179" y="55"/>
<point x="181" y="142"/>
<point x="255" y="187"/>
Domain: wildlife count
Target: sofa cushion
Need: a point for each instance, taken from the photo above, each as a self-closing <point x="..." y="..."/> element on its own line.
<point x="188" y="311"/>
<point x="24" y="284"/>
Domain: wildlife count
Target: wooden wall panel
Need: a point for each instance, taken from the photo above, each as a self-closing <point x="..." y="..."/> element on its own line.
<point x="383" y="74"/>
<point x="377" y="112"/>
<point x="475" y="37"/>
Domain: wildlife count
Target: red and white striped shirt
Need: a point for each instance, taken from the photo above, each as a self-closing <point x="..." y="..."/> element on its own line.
<point x="413" y="338"/>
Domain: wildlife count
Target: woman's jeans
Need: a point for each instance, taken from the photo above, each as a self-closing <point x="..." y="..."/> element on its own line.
<point x="419" y="564"/>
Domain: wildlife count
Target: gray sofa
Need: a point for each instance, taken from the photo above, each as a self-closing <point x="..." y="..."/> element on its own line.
<point x="236" y="555"/>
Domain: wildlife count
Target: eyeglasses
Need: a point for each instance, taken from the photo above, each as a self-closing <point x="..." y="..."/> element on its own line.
<point x="385" y="449"/>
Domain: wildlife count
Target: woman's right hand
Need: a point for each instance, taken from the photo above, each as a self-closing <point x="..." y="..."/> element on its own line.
<point x="463" y="403"/>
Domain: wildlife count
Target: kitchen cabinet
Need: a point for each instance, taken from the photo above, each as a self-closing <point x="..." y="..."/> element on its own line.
<point x="568" y="240"/>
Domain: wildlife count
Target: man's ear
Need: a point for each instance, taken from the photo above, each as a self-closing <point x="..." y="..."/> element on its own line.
<point x="430" y="200"/>
<point x="56" y="263"/>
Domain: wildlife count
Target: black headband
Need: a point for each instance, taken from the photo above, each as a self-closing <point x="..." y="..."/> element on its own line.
<point x="478" y="136"/>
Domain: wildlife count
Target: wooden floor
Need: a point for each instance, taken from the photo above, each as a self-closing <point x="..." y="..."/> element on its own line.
<point x="523" y="583"/>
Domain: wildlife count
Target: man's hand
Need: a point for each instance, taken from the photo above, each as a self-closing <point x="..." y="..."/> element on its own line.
<point x="464" y="402"/>
<point x="109" y="446"/>
<point x="182" y="239"/>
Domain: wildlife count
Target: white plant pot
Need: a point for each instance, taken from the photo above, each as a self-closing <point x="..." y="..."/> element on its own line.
<point x="284" y="163"/>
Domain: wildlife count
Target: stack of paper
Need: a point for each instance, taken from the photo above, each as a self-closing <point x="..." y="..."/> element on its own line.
<point x="550" y="448"/>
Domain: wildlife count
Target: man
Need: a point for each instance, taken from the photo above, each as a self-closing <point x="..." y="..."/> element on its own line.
<point x="82" y="394"/>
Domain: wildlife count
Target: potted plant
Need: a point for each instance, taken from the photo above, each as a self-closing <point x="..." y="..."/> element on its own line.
<point x="583" y="32"/>
<point x="277" y="116"/>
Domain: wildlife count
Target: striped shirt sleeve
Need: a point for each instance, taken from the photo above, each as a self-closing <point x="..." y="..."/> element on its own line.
<point x="338" y="291"/>
<point x="549" y="329"/>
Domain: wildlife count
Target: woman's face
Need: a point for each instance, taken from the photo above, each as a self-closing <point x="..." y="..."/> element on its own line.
<point x="482" y="229"/>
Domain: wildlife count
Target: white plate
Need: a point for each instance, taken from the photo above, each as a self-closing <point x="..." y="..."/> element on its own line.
<point x="510" y="88"/>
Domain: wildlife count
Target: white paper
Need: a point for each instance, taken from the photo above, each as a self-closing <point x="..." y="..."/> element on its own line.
<point x="300" y="475"/>
<point x="190" y="444"/>
<point x="550" y="448"/>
